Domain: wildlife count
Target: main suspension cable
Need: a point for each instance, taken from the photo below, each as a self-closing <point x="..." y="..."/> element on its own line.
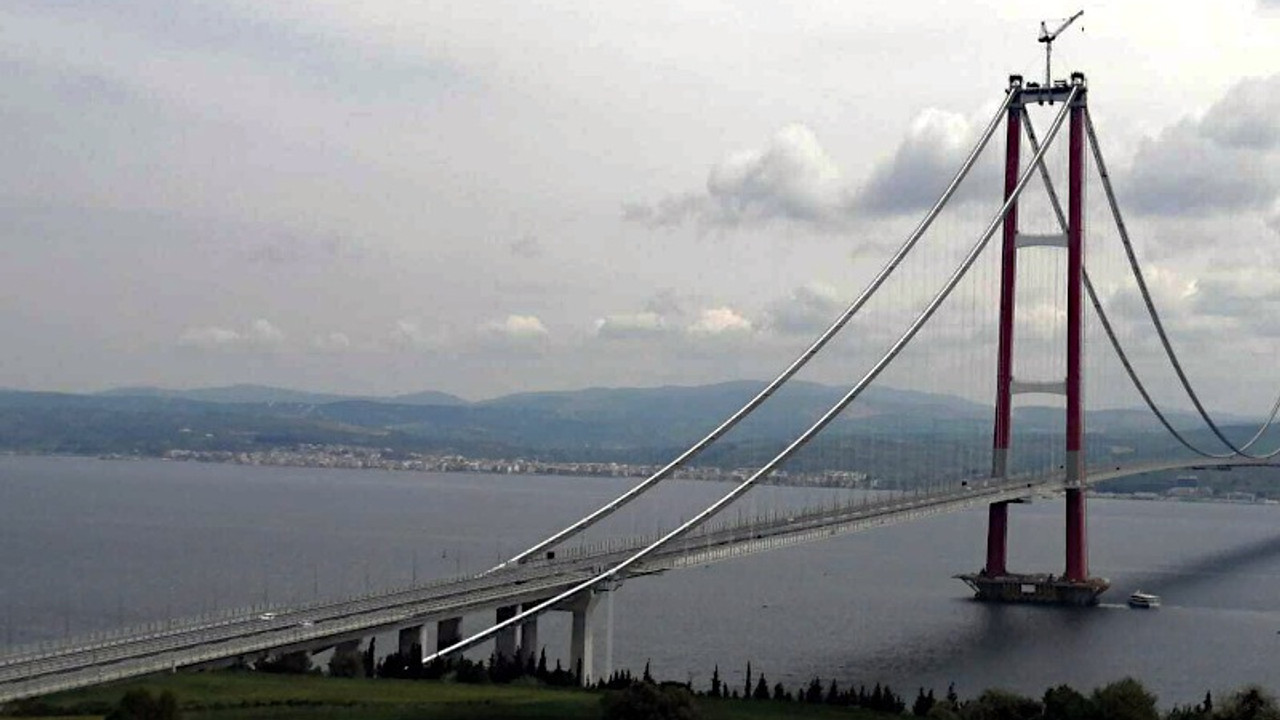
<point x="617" y="503"/>
<point x="1155" y="316"/>
<point x="803" y="439"/>
<point x="1102" y="315"/>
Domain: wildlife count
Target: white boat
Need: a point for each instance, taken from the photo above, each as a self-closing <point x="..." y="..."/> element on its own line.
<point x="1144" y="600"/>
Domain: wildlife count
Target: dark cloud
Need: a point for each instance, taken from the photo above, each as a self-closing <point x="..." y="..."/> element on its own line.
<point x="1248" y="116"/>
<point x="916" y="174"/>
<point x="808" y="309"/>
<point x="1228" y="160"/>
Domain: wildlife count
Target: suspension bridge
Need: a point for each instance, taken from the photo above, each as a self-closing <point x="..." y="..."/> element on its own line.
<point x="555" y="575"/>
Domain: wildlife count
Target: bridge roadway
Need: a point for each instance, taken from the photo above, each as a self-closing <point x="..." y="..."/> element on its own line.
<point x="208" y="642"/>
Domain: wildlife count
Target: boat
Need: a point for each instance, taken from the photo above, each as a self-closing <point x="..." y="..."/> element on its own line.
<point x="1144" y="600"/>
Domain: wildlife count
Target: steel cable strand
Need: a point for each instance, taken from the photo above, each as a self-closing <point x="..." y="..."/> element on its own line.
<point x="803" y="439"/>
<point x="892" y="264"/>
<point x="1155" y="316"/>
<point x="1102" y="316"/>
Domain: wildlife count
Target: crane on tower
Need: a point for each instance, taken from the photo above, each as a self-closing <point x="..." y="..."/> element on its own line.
<point x="1047" y="38"/>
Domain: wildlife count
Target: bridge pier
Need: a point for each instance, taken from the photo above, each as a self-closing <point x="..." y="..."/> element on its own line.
<point x="1077" y="547"/>
<point x="410" y="637"/>
<point x="997" y="539"/>
<point x="504" y="644"/>
<point x="448" y="632"/>
<point x="528" y="650"/>
<point x="582" y="640"/>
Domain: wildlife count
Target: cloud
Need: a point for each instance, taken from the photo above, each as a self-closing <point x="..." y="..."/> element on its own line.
<point x="1246" y="297"/>
<point x="809" y="308"/>
<point x="263" y="332"/>
<point x="790" y="179"/>
<point x="409" y="335"/>
<point x="719" y="321"/>
<point x="670" y="211"/>
<point x="209" y="337"/>
<point x="260" y="334"/>
<point x="331" y="342"/>
<point x="1224" y="304"/>
<point x="517" y="328"/>
<point x="793" y="179"/>
<point x="1227" y="160"/>
<point x="527" y="247"/>
<point x="620" y="326"/>
<point x="912" y="179"/>
<point x="1248" y="116"/>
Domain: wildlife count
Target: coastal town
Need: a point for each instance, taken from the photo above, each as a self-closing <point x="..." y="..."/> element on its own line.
<point x="1186" y="488"/>
<point x="365" y="458"/>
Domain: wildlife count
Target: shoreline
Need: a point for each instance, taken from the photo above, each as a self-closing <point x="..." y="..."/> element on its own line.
<point x="355" y="458"/>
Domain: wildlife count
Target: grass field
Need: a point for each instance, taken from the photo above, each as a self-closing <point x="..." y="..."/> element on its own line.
<point x="258" y="696"/>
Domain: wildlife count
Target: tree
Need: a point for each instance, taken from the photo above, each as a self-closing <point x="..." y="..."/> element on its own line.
<point x="141" y="705"/>
<point x="1001" y="705"/>
<point x="813" y="693"/>
<point x="746" y="693"/>
<point x="762" y="689"/>
<point x="346" y="663"/>
<point x="294" y="663"/>
<point x="1064" y="703"/>
<point x="715" y="682"/>
<point x="923" y="704"/>
<point x="779" y="692"/>
<point x="1249" y="703"/>
<point x="646" y="701"/>
<point x="647" y="677"/>
<point x="1125" y="699"/>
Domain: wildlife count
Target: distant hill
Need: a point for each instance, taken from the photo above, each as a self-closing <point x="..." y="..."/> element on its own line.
<point x="247" y="393"/>
<point x="637" y="425"/>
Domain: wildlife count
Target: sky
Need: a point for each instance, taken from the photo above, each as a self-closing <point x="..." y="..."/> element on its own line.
<point x="489" y="197"/>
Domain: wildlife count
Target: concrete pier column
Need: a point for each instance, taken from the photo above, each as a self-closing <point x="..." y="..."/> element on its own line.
<point x="408" y="638"/>
<point x="1077" y="543"/>
<point x="581" y="641"/>
<point x="528" y="638"/>
<point x="448" y="632"/>
<point x="504" y="643"/>
<point x="997" y="540"/>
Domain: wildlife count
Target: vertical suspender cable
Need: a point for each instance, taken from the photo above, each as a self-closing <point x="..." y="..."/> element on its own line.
<point x="893" y="263"/>
<point x="804" y="438"/>
<point x="1105" y="321"/>
<point x="1155" y="316"/>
